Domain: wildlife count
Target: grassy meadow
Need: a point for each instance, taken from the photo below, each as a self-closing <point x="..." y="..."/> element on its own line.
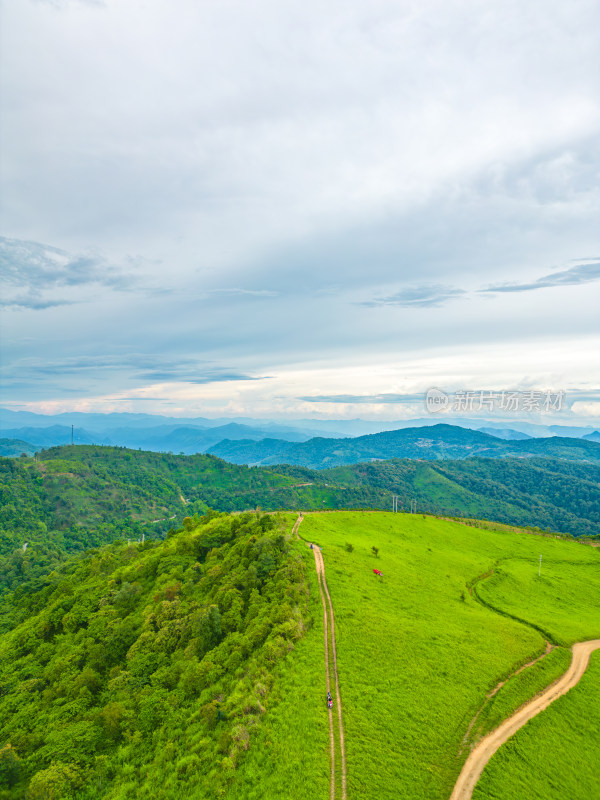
<point x="417" y="652"/>
<point x="563" y="601"/>
<point x="520" y="688"/>
<point x="555" y="756"/>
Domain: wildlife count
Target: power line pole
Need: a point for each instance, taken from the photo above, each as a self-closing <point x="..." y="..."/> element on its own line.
<point x="413" y="506"/>
<point x="540" y="568"/>
<point x="72" y="430"/>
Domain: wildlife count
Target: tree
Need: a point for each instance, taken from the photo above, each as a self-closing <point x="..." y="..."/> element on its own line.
<point x="54" y="783"/>
<point x="9" y="766"/>
<point x="349" y="547"/>
<point x="375" y="551"/>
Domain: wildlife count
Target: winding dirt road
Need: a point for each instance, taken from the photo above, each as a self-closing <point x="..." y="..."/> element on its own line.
<point x="330" y="656"/>
<point x="485" y="749"/>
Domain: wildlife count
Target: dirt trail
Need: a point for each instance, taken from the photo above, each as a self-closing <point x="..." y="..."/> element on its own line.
<point x="330" y="652"/>
<point x="496" y="689"/>
<point x="485" y="749"/>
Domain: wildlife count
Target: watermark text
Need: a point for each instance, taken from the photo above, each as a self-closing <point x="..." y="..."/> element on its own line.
<point x="526" y="401"/>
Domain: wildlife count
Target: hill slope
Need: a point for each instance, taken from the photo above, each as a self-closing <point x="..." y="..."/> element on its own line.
<point x="195" y="667"/>
<point x="417" y="652"/>
<point x="71" y="498"/>
<point x="145" y="671"/>
<point x="10" y="448"/>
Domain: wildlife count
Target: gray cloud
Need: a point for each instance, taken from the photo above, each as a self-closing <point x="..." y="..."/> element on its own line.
<point x="430" y="296"/>
<point x="200" y="375"/>
<point x="32" y="302"/>
<point x="41" y="270"/>
<point x="139" y="367"/>
<point x="582" y="273"/>
<point x="244" y="292"/>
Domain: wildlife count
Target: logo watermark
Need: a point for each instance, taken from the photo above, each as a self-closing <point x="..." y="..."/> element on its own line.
<point x="527" y="401"/>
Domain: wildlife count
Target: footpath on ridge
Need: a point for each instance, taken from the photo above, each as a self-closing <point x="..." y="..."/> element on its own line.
<point x="330" y="659"/>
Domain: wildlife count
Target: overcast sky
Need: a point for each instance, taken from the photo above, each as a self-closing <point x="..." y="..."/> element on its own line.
<point x="302" y="208"/>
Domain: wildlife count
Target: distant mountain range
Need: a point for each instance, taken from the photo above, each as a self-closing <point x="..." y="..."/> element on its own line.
<point x="431" y="443"/>
<point x="198" y="435"/>
<point x="505" y="433"/>
<point x="163" y="438"/>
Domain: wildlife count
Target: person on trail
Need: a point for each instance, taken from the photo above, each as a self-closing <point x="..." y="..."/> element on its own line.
<point x="329" y="700"/>
<point x="378" y="572"/>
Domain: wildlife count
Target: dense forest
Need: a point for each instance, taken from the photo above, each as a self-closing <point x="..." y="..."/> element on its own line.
<point x="148" y="665"/>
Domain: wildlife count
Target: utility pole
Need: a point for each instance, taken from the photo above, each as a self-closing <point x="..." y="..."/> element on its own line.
<point x="413" y="506"/>
<point x="540" y="568"/>
<point x="394" y="503"/>
<point x="72" y="429"/>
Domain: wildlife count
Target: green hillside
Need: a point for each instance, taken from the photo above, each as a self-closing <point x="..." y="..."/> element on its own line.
<point x="9" y="448"/>
<point x="68" y="499"/>
<point x="548" y="493"/>
<point x="536" y="764"/>
<point x="146" y="671"/>
<point x="194" y="666"/>
<point x="417" y="652"/>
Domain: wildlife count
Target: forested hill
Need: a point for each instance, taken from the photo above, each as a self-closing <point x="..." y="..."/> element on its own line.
<point x="431" y="443"/>
<point x="68" y="499"/>
<point x="146" y="670"/>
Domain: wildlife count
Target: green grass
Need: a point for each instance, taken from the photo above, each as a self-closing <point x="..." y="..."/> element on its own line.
<point x="555" y="756"/>
<point x="417" y="653"/>
<point x="519" y="689"/>
<point x="563" y="601"/>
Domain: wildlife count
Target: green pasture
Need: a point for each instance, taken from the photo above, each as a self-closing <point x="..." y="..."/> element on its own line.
<point x="519" y="689"/>
<point x="555" y="756"/>
<point x="417" y="652"/>
<point x="564" y="600"/>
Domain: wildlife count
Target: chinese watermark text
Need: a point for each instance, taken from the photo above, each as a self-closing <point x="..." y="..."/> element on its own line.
<point x="526" y="401"/>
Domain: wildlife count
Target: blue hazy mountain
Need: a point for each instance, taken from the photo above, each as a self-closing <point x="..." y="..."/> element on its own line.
<point x="431" y="443"/>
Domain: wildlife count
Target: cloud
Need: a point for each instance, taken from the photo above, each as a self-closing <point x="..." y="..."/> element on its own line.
<point x="60" y="4"/>
<point x="429" y="296"/>
<point x="139" y="368"/>
<point x="32" y="303"/>
<point x="40" y="269"/>
<point x="243" y="292"/>
<point x="313" y="168"/>
<point x="365" y="398"/>
<point x="574" y="276"/>
<point x="200" y="375"/>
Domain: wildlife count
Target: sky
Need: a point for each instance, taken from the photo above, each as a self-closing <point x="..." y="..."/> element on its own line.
<point x="300" y="209"/>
